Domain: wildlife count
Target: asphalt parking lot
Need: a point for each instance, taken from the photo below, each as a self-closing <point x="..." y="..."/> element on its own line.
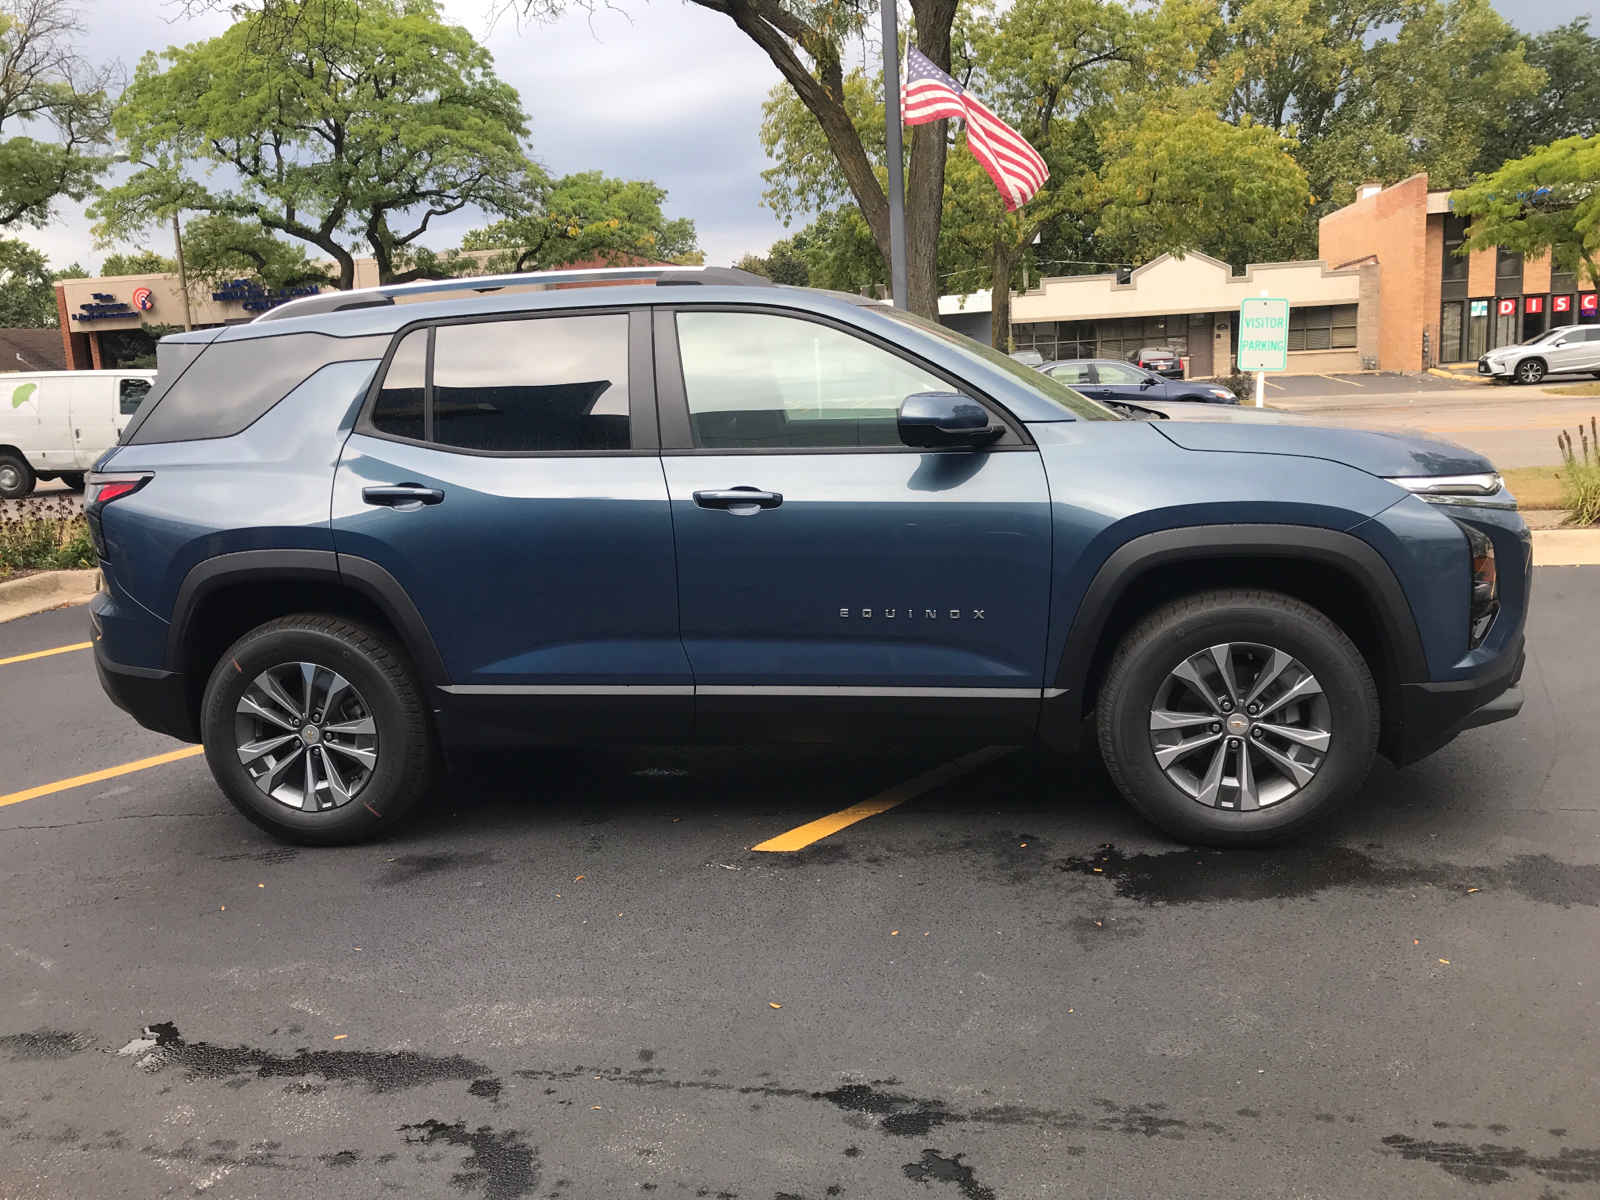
<point x="570" y="976"/>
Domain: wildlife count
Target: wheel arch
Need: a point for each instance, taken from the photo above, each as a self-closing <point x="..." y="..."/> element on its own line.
<point x="1336" y="573"/>
<point x="227" y="595"/>
<point x="1544" y="365"/>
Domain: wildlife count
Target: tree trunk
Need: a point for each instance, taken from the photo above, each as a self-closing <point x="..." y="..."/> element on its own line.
<point x="925" y="179"/>
<point x="1001" y="260"/>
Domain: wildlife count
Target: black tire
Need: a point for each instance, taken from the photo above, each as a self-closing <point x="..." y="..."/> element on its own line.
<point x="1170" y="636"/>
<point x="385" y="687"/>
<point x="1530" y="371"/>
<point x="16" y="476"/>
<point x="73" y="480"/>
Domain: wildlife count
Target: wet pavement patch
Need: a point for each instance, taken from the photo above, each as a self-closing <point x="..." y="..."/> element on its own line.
<point x="1489" y="1163"/>
<point x="500" y="1166"/>
<point x="1294" y="871"/>
<point x="934" y="1167"/>
<point x="902" y="1116"/>
<point x="42" y="1044"/>
<point x="161" y="1046"/>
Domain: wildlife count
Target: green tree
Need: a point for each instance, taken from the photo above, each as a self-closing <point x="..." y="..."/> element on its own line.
<point x="27" y="288"/>
<point x="1546" y="202"/>
<point x="337" y="122"/>
<point x="218" y="248"/>
<point x="140" y="262"/>
<point x="43" y="81"/>
<point x="585" y="216"/>
<point x="1568" y="105"/>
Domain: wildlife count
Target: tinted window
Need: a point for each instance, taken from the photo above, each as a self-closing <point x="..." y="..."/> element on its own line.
<point x="557" y="383"/>
<point x="755" y="381"/>
<point x="130" y="394"/>
<point x="1114" y="373"/>
<point x="1072" y="373"/>
<point x="232" y="384"/>
<point x="399" y="408"/>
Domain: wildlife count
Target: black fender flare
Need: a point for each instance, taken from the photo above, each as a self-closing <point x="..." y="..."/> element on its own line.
<point x="360" y="575"/>
<point x="1328" y="547"/>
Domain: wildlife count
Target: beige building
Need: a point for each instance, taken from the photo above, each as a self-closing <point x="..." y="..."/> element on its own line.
<point x="1191" y="305"/>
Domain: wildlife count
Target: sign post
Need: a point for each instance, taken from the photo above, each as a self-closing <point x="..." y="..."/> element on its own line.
<point x="1263" y="340"/>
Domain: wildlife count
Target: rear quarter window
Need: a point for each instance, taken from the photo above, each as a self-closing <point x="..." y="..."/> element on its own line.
<point x="233" y="384"/>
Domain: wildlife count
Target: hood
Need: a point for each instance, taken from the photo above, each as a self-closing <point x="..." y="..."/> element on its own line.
<point x="1246" y="430"/>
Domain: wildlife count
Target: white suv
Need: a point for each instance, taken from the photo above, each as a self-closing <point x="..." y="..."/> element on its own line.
<point x="1566" y="350"/>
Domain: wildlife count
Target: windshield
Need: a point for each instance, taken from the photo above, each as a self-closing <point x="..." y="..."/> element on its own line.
<point x="1035" y="381"/>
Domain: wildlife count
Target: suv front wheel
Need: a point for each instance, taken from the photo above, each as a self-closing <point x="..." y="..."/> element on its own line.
<point x="316" y="730"/>
<point x="1530" y="370"/>
<point x="1237" y="718"/>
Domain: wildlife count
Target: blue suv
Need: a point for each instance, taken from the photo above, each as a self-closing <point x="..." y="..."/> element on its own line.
<point x="374" y="528"/>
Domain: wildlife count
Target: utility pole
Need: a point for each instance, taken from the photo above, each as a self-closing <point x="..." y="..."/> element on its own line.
<point x="892" y="128"/>
<point x="183" y="277"/>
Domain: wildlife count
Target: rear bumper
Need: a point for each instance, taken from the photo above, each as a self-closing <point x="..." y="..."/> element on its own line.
<point x="1432" y="714"/>
<point x="158" y="700"/>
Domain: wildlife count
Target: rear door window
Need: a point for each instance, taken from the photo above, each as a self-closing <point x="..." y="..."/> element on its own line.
<point x="541" y="385"/>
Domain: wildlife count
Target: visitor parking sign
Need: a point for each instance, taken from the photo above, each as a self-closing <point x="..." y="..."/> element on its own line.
<point x="1264" y="335"/>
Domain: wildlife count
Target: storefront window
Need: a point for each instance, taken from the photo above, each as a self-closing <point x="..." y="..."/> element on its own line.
<point x="1477" y="328"/>
<point x="1327" y="327"/>
<point x="1450" y="331"/>
<point x="1505" y="323"/>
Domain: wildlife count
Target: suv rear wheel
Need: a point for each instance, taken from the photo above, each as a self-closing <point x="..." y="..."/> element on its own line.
<point x="1237" y="718"/>
<point x="316" y="730"/>
<point x="1530" y="370"/>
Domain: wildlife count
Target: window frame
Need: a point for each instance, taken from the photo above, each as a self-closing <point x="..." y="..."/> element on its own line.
<point x="643" y="427"/>
<point x="672" y="397"/>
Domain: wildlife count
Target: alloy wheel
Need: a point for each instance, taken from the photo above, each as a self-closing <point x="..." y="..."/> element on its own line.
<point x="1531" y="371"/>
<point x="305" y="736"/>
<point x="1240" y="726"/>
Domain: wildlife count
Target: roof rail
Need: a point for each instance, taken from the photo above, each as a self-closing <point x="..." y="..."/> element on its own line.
<point x="377" y="297"/>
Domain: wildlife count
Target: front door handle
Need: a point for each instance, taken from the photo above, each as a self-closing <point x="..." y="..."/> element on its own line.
<point x="740" y="501"/>
<point x="404" y="497"/>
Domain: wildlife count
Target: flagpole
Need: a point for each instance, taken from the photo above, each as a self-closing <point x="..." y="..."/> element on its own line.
<point x="892" y="128"/>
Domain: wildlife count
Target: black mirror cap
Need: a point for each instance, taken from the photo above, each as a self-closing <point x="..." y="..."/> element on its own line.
<point x="935" y="419"/>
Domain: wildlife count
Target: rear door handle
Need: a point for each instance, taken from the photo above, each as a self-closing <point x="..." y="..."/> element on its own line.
<point x="406" y="497"/>
<point x="740" y="501"/>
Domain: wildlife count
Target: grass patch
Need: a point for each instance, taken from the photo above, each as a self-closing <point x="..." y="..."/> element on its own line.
<point x="1576" y="389"/>
<point x="1534" y="487"/>
<point x="52" y="537"/>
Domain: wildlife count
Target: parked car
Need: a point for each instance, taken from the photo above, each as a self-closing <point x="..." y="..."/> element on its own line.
<point x="1028" y="358"/>
<point x="1107" y="379"/>
<point x="1161" y="359"/>
<point x="356" y="535"/>
<point x="54" y="424"/>
<point x="1566" y="350"/>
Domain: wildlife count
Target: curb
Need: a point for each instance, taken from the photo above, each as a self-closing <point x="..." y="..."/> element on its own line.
<point x="1566" y="547"/>
<point x="1473" y="378"/>
<point x="48" y="589"/>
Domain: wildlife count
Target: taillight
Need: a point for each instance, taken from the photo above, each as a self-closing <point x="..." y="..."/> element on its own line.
<point x="100" y="490"/>
<point x="1485" y="584"/>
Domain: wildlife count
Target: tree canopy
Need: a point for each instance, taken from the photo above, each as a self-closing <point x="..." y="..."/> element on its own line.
<point x="334" y="122"/>
<point x="45" y="85"/>
<point x="586" y="216"/>
<point x="1545" y="202"/>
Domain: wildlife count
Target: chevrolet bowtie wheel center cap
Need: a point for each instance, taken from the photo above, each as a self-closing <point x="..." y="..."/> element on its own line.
<point x="1236" y="724"/>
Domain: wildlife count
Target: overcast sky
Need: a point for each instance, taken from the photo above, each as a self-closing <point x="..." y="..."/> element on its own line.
<point x="665" y="91"/>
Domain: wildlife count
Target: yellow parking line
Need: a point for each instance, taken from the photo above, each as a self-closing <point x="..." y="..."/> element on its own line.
<point x="45" y="653"/>
<point x="815" y="831"/>
<point x="44" y="789"/>
<point x="1336" y="379"/>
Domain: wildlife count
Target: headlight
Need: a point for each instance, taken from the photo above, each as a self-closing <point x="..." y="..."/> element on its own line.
<point x="1222" y="393"/>
<point x="1485" y="584"/>
<point x="1486" y="490"/>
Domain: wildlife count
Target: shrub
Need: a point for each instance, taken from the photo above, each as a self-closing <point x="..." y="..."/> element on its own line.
<point x="1580" y="479"/>
<point x="54" y="536"/>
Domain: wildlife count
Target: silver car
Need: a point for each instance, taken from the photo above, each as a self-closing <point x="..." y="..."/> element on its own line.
<point x="1565" y="350"/>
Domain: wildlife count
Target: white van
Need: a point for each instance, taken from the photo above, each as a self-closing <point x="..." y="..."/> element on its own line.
<point x="54" y="424"/>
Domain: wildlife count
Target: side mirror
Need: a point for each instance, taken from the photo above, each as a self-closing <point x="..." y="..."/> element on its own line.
<point x="1147" y="382"/>
<point x="940" y="419"/>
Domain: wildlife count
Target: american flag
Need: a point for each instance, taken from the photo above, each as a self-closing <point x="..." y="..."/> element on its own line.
<point x="928" y="94"/>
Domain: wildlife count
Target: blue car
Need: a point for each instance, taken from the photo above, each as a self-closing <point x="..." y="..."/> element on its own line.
<point x="356" y="535"/>
<point x="1109" y="380"/>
